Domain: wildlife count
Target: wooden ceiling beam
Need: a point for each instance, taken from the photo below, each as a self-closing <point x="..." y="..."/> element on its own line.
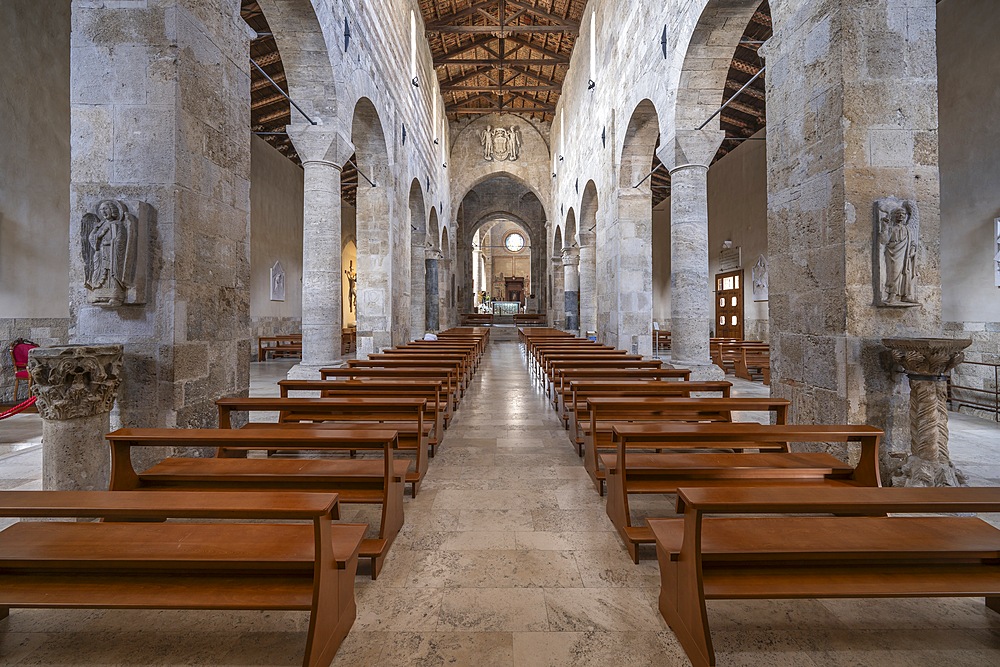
<point x="468" y="11"/>
<point x="480" y="62"/>
<point x="537" y="77"/>
<point x="500" y="29"/>
<point x="484" y="110"/>
<point x="475" y="44"/>
<point x="548" y="53"/>
<point x="264" y="83"/>
<point x="539" y="11"/>
<point x="497" y="89"/>
<point x="481" y="71"/>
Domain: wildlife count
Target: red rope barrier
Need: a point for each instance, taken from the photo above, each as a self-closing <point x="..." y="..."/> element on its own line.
<point x="20" y="407"/>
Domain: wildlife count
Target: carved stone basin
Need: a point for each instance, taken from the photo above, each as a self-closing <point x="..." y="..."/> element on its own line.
<point x="927" y="362"/>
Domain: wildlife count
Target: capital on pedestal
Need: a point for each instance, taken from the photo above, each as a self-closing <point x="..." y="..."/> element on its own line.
<point x="74" y="381"/>
<point x="320" y="143"/>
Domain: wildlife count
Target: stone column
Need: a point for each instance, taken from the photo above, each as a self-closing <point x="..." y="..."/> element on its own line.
<point x="588" y="288"/>
<point x="571" y="287"/>
<point x="432" y="287"/>
<point x="927" y="362"/>
<point x="159" y="113"/>
<point x="76" y="386"/>
<point x="323" y="151"/>
<point x="690" y="283"/>
<point x="557" y="307"/>
<point x="444" y="293"/>
<point x="851" y="119"/>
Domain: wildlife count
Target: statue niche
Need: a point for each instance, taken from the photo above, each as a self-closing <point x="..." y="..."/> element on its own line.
<point x="896" y="242"/>
<point x="114" y="254"/>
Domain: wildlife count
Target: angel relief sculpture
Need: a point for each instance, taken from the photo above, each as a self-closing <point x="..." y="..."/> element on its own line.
<point x="897" y="235"/>
<point x="109" y="242"/>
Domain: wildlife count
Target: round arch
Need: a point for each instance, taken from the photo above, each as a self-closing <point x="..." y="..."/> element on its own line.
<point x="374" y="289"/>
<point x="418" y="238"/>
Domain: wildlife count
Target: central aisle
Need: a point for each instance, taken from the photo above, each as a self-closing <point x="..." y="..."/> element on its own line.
<point x="507" y="556"/>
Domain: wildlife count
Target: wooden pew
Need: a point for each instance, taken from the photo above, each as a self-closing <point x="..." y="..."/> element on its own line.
<point x="565" y="376"/>
<point x="754" y="359"/>
<point x="279" y="346"/>
<point x="530" y="319"/>
<point x="525" y="334"/>
<point x="411" y="361"/>
<point x="367" y="481"/>
<point x="476" y="319"/>
<point x="619" y="363"/>
<point x="632" y="472"/>
<point x="447" y="376"/>
<point x="133" y="561"/>
<point x="536" y="350"/>
<point x="577" y="416"/>
<point x="438" y="402"/>
<point x="405" y="415"/>
<point x="776" y="557"/>
<point x="605" y="413"/>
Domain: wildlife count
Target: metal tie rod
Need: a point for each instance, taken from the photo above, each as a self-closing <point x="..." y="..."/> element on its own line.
<point x="729" y="101"/>
<point x="283" y="93"/>
<point x="362" y="173"/>
<point x="648" y="175"/>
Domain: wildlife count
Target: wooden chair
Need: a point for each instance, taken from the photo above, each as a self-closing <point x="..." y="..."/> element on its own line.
<point x="19" y="355"/>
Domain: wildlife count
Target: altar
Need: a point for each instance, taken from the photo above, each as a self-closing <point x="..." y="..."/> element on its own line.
<point x="501" y="308"/>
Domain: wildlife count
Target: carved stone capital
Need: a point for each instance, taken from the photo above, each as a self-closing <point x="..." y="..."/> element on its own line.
<point x="320" y="144"/>
<point x="690" y="148"/>
<point x="927" y="357"/>
<point x="74" y="381"/>
<point x="571" y="256"/>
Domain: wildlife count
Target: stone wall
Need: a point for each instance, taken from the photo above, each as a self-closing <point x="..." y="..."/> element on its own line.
<point x="34" y="161"/>
<point x="968" y="56"/>
<point x="275" y="236"/>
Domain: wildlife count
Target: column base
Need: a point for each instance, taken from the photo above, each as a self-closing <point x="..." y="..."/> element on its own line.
<point x="700" y="372"/>
<point x="918" y="472"/>
<point x="311" y="371"/>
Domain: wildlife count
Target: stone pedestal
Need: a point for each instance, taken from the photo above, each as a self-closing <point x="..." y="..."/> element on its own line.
<point x="571" y="287"/>
<point x="76" y="386"/>
<point x="927" y="361"/>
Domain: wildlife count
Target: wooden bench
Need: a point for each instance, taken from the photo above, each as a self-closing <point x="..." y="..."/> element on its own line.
<point x="624" y="362"/>
<point x="632" y="472"/>
<point x="405" y="415"/>
<point x="411" y="362"/>
<point x="367" y="481"/>
<point x="530" y="319"/>
<point x="565" y="376"/>
<point x="778" y="557"/>
<point x="447" y="376"/>
<point x="605" y="413"/>
<point x="537" y="349"/>
<point x="525" y="334"/>
<point x="577" y="416"/>
<point x="754" y="360"/>
<point x="279" y="346"/>
<point x="438" y="402"/>
<point x="349" y="340"/>
<point x="476" y="319"/>
<point x="133" y="561"/>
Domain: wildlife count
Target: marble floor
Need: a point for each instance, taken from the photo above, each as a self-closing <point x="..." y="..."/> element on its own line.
<point x="507" y="558"/>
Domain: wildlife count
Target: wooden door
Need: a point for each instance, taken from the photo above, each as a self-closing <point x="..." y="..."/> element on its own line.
<point x="729" y="305"/>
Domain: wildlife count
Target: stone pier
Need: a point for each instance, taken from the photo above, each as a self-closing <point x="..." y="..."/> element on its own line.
<point x="571" y="287"/>
<point x="432" y="286"/>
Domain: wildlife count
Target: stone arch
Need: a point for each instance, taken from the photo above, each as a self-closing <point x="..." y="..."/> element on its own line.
<point x="432" y="285"/>
<point x="571" y="272"/>
<point x="304" y="55"/>
<point x="375" y="240"/>
<point x="625" y="275"/>
<point x="501" y="174"/>
<point x="570" y="231"/>
<point x="588" y="258"/>
<point x="706" y="63"/>
<point x="418" y="239"/>
<point x="499" y="194"/>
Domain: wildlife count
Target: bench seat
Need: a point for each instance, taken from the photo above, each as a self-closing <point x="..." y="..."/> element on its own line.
<point x="122" y="564"/>
<point x="867" y="551"/>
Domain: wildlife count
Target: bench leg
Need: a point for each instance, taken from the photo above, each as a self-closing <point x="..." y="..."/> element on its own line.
<point x="683" y="608"/>
<point x="993" y="603"/>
